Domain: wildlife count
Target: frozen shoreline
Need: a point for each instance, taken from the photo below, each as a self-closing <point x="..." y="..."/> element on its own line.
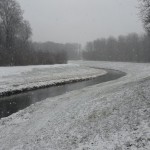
<point x="109" y="116"/>
<point x="15" y="80"/>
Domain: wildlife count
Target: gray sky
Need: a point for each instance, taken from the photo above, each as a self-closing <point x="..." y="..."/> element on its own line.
<point x="81" y="20"/>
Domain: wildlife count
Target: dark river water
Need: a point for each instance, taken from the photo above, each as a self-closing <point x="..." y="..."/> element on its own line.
<point x="14" y="103"/>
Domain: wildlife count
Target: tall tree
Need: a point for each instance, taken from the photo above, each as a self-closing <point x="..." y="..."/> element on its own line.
<point x="11" y="18"/>
<point x="14" y="29"/>
<point x="145" y="14"/>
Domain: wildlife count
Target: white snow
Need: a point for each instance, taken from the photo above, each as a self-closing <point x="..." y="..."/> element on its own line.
<point x="29" y="77"/>
<point x="109" y="116"/>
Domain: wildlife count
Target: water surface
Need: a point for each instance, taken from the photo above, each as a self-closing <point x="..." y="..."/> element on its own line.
<point x="14" y="103"/>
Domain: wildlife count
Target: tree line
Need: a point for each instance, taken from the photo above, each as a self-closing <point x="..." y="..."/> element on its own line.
<point x="71" y="50"/>
<point x="16" y="47"/>
<point x="133" y="48"/>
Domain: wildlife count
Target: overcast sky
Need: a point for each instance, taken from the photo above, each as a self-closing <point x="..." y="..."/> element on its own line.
<point x="81" y="20"/>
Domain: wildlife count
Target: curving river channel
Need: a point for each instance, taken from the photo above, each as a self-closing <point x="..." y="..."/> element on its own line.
<point x="14" y="103"/>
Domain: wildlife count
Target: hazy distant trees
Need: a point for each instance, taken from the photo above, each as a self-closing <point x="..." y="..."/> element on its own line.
<point x="50" y="52"/>
<point x="132" y="48"/>
<point x="145" y="14"/>
<point x="16" y="47"/>
<point x="73" y="51"/>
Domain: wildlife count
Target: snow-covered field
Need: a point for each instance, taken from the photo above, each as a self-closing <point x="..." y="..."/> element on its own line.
<point x="109" y="116"/>
<point x="14" y="79"/>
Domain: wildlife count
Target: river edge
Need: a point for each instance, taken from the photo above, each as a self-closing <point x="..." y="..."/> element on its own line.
<point x="13" y="92"/>
<point x="70" y="78"/>
<point x="17" y="102"/>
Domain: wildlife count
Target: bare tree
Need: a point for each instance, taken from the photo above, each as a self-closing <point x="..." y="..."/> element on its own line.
<point x="16" y="48"/>
<point x="24" y="31"/>
<point x="11" y="18"/>
<point x="145" y="13"/>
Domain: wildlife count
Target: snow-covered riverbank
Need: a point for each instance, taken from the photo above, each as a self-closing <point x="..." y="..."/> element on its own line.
<point x="17" y="79"/>
<point x="109" y="116"/>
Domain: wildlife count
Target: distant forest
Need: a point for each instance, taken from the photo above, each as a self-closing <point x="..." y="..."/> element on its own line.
<point x="133" y="48"/>
<point x="69" y="50"/>
<point x="16" y="47"/>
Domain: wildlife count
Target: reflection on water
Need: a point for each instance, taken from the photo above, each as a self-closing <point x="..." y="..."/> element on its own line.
<point x="11" y="104"/>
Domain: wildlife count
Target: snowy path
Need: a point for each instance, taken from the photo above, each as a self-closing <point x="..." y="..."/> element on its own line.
<point x="17" y="79"/>
<point x="109" y="116"/>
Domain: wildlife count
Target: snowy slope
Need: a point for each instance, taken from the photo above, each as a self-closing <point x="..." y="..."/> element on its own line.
<point x="22" y="78"/>
<point x="109" y="116"/>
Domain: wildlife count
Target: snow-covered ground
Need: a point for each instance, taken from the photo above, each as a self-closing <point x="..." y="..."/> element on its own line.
<point x="109" y="116"/>
<point x="14" y="79"/>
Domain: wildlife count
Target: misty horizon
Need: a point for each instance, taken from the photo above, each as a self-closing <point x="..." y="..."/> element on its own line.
<point x="74" y="21"/>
